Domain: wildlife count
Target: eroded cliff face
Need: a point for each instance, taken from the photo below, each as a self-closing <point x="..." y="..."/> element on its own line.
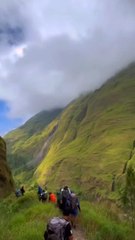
<point x="6" y="180"/>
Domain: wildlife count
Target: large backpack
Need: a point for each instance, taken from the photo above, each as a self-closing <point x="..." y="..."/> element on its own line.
<point x="43" y="195"/>
<point x="65" y="193"/>
<point x="74" y="201"/>
<point x="56" y="229"/>
<point x="66" y="201"/>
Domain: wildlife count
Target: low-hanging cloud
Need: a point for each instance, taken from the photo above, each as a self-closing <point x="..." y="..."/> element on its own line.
<point x="68" y="47"/>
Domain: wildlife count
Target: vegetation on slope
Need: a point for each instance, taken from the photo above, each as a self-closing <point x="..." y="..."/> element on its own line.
<point x="25" y="143"/>
<point x="6" y="181"/>
<point x="94" y="139"/>
<point x="26" y="218"/>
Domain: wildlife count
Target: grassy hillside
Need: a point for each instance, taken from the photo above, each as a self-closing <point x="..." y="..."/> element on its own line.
<point x="25" y="143"/>
<point x="6" y="181"/>
<point x="88" y="147"/>
<point x="94" y="139"/>
<point x="27" y="219"/>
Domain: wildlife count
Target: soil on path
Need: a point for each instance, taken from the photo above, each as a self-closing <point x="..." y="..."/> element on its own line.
<point x="78" y="234"/>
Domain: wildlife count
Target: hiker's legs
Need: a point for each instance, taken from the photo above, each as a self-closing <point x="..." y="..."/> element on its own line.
<point x="74" y="214"/>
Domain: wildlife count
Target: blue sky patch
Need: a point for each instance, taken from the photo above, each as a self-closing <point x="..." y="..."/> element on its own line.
<point x="7" y="124"/>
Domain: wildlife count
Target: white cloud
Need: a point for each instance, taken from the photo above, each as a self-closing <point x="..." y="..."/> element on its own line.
<point x="68" y="47"/>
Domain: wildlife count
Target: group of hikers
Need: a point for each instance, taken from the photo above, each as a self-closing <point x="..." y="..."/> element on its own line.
<point x="60" y="228"/>
<point x="43" y="195"/>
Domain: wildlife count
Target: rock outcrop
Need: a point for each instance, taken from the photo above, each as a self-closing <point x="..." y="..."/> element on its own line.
<point x="6" y="180"/>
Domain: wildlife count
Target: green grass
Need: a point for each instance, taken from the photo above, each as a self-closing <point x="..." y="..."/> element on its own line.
<point x="26" y="218"/>
<point x="100" y="224"/>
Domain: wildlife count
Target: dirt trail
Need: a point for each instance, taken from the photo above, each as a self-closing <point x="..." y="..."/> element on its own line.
<point x="78" y="234"/>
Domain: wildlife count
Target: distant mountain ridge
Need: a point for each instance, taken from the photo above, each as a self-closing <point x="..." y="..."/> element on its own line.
<point x="38" y="122"/>
<point x="92" y="141"/>
<point x="25" y="142"/>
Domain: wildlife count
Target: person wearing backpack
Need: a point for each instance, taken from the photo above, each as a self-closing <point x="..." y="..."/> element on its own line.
<point x="59" y="199"/>
<point x="22" y="190"/>
<point x="65" y="191"/>
<point x="39" y="192"/>
<point x="44" y="196"/>
<point x="52" y="197"/>
<point x="18" y="193"/>
<point x="66" y="195"/>
<point x="75" y="206"/>
<point x="59" y="228"/>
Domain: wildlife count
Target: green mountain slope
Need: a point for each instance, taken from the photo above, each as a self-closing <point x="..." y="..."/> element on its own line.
<point x="88" y="146"/>
<point x="94" y="139"/>
<point x="6" y="181"/>
<point x="25" y="143"/>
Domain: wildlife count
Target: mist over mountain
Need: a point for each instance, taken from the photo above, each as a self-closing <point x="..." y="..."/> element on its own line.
<point x="67" y="118"/>
<point x="53" y="52"/>
<point x="89" y="142"/>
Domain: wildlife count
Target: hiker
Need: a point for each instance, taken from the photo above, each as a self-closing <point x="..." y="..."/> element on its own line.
<point x="40" y="190"/>
<point x="66" y="190"/>
<point x="59" y="228"/>
<point x="59" y="199"/>
<point x="66" y="195"/>
<point x="22" y="190"/>
<point x="75" y="206"/>
<point x="18" y="193"/>
<point x="52" y="197"/>
<point x="43" y="196"/>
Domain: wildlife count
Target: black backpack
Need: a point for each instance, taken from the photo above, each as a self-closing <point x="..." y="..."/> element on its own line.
<point x="66" y="193"/>
<point x="43" y="195"/>
<point x="56" y="229"/>
<point x="66" y="200"/>
<point x="74" y="201"/>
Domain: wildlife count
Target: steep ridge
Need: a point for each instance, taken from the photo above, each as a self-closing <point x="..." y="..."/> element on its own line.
<point x="94" y="138"/>
<point x="43" y="150"/>
<point x="6" y="181"/>
<point x="92" y="142"/>
<point x="25" y="143"/>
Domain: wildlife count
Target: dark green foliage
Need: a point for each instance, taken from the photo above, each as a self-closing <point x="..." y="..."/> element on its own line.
<point x="6" y="181"/>
<point x="128" y="196"/>
<point x="18" y="160"/>
<point x="134" y="144"/>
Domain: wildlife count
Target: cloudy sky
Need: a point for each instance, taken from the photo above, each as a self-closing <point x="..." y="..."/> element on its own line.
<point x="51" y="51"/>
